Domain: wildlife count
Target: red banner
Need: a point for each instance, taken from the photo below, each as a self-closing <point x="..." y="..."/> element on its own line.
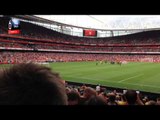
<point x="13" y="31"/>
<point x="89" y="33"/>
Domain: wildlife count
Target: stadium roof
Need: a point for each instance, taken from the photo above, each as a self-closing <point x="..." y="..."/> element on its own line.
<point x="108" y="21"/>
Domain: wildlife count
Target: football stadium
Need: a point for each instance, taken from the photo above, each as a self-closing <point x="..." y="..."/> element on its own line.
<point x="100" y="63"/>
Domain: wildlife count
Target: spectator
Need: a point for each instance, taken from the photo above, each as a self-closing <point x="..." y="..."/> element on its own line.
<point x="96" y="100"/>
<point x="121" y="99"/>
<point x="88" y="93"/>
<point x="151" y="102"/>
<point x="98" y="88"/>
<point x="112" y="98"/>
<point x="158" y="101"/>
<point x="31" y="84"/>
<point x="73" y="98"/>
<point x="133" y="98"/>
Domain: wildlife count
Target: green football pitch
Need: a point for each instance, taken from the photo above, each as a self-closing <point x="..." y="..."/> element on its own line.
<point x="136" y="76"/>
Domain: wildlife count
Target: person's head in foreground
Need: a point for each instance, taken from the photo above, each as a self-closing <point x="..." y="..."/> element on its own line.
<point x="31" y="84"/>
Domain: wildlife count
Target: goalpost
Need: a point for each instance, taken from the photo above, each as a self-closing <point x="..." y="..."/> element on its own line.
<point x="147" y="60"/>
<point x="43" y="63"/>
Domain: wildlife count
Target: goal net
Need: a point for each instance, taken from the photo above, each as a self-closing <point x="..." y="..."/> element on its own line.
<point x="147" y="60"/>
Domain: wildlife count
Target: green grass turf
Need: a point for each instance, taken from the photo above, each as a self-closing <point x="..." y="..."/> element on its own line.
<point x="136" y="76"/>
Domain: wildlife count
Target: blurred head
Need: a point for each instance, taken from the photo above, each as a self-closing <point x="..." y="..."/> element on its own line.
<point x="68" y="90"/>
<point x="89" y="92"/>
<point x="31" y="84"/>
<point x="131" y="97"/>
<point x="158" y="99"/>
<point x="151" y="102"/>
<point x="73" y="97"/>
<point x="96" y="100"/>
<point x="118" y="98"/>
<point x="111" y="97"/>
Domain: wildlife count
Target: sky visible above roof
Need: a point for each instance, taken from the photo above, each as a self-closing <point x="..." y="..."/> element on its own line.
<point x="108" y="21"/>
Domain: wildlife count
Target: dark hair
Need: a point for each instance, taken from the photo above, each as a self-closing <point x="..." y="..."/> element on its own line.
<point x="73" y="95"/>
<point x="31" y="84"/>
<point x="96" y="100"/>
<point x="73" y="98"/>
<point x="112" y="97"/>
<point x="131" y="97"/>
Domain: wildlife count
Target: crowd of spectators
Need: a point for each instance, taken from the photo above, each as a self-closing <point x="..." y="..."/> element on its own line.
<point x="87" y="95"/>
<point x="57" y="46"/>
<point x="22" y="57"/>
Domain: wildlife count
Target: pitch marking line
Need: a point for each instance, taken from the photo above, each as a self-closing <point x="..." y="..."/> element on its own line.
<point x="129" y="78"/>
